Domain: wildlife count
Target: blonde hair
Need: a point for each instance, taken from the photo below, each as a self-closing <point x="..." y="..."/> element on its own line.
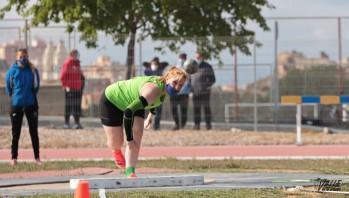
<point x="31" y="66"/>
<point x="24" y="50"/>
<point x="176" y="73"/>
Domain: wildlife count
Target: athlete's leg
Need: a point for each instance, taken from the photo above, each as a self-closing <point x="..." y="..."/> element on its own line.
<point x="115" y="140"/>
<point x="132" y="155"/>
<point x="111" y="118"/>
<point x="115" y="137"/>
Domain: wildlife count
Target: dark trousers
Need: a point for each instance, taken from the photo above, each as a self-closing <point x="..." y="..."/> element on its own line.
<point x="202" y="100"/>
<point x="179" y="102"/>
<point x="157" y="117"/>
<point x="16" y="115"/>
<point x="73" y="105"/>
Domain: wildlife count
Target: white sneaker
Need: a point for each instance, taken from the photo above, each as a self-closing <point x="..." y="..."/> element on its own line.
<point x="14" y="162"/>
<point x="38" y="161"/>
<point x="78" y="126"/>
<point x="66" y="126"/>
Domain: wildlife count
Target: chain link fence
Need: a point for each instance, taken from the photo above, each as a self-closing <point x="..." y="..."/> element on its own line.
<point x="247" y="89"/>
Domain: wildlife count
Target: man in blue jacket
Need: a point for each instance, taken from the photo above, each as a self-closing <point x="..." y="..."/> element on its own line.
<point x="155" y="68"/>
<point x="181" y="100"/>
<point x="22" y="85"/>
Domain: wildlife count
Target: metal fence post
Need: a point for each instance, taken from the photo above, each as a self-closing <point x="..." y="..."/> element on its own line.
<point x="276" y="87"/>
<point x="255" y="85"/>
<point x="26" y="33"/>
<point x="299" y="124"/>
<point x="140" y="54"/>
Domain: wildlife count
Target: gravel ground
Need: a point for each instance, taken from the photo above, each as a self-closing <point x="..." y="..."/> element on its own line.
<point x="94" y="137"/>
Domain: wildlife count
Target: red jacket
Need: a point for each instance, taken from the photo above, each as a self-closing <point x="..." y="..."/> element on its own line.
<point x="71" y="74"/>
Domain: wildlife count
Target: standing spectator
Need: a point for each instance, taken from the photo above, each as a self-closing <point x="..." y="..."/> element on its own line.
<point x="155" y="69"/>
<point x="201" y="83"/>
<point x="72" y="81"/>
<point x="22" y="85"/>
<point x="180" y="100"/>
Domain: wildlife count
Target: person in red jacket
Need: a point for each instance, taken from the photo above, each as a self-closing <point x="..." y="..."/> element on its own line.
<point x="72" y="83"/>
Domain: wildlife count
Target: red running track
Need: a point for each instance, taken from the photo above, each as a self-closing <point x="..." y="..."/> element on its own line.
<point x="196" y="152"/>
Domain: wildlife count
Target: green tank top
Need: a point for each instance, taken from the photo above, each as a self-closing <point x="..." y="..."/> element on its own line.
<point x="123" y="93"/>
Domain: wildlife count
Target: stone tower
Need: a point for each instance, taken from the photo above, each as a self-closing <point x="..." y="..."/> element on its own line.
<point x="60" y="56"/>
<point x="48" y="63"/>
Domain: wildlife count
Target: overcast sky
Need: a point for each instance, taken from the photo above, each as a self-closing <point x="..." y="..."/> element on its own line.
<point x="300" y="8"/>
<point x="306" y="35"/>
<point x="308" y="8"/>
<point x="309" y="28"/>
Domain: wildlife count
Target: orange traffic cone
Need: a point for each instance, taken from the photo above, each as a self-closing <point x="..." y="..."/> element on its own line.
<point x="83" y="190"/>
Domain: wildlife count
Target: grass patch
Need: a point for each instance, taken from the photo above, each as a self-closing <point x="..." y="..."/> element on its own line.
<point x="197" y="193"/>
<point x="197" y="166"/>
<point x="201" y="166"/>
<point x="234" y="193"/>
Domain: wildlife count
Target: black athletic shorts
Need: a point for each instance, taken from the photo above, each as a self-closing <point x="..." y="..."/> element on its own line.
<point x="111" y="115"/>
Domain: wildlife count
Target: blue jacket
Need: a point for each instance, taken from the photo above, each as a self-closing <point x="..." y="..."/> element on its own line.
<point x="186" y="87"/>
<point x="20" y="85"/>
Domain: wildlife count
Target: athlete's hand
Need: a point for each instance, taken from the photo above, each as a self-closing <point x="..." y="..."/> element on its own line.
<point x="148" y="121"/>
<point x="132" y="145"/>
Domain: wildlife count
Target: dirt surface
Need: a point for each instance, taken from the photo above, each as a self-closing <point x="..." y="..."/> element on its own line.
<point x="94" y="137"/>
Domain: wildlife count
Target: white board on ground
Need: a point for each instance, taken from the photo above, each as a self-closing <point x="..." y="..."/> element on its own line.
<point x="159" y="181"/>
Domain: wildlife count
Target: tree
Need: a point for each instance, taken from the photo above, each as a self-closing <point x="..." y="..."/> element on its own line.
<point x="187" y="20"/>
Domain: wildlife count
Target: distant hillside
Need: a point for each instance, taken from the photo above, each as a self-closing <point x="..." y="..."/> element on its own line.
<point x="320" y="80"/>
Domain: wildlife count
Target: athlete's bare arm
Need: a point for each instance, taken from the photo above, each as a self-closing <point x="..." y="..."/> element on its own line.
<point x="150" y="92"/>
